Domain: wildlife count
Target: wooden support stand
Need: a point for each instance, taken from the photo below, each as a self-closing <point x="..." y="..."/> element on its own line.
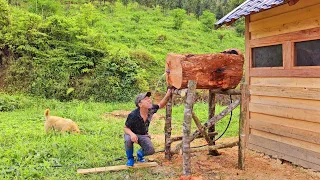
<point x="207" y="130"/>
<point x="211" y="112"/>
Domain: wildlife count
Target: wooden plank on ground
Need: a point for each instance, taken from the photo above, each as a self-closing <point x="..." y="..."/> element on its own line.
<point x="290" y="141"/>
<point x="282" y="9"/>
<point x="286" y="102"/>
<point x="283" y="130"/>
<point x="285" y="82"/>
<point x="116" y="168"/>
<point x="304" y="154"/>
<point x="287" y="112"/>
<point x="304" y="125"/>
<point x="284" y="156"/>
<point x="291" y="92"/>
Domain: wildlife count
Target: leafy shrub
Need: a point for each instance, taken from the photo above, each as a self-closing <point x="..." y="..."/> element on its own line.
<point x="136" y="18"/>
<point x="179" y="15"/>
<point x="11" y="103"/>
<point x="208" y="19"/>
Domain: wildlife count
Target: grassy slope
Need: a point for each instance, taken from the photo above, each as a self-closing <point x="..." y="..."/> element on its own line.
<point x="154" y="34"/>
<point x="27" y="152"/>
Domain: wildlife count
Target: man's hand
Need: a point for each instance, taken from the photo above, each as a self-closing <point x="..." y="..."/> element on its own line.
<point x="134" y="138"/>
<point x="164" y="101"/>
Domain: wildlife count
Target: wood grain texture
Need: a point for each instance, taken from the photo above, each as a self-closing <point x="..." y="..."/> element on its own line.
<point x="283" y="9"/>
<point x="211" y="71"/>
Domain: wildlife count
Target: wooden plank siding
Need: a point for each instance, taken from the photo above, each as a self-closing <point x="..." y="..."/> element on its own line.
<point x="284" y="105"/>
<point x="293" y="19"/>
<point x="284" y="118"/>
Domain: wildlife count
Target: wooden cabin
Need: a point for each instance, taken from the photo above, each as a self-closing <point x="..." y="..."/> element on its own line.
<point x="282" y="69"/>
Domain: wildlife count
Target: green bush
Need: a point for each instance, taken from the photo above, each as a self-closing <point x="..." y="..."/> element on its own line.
<point x="45" y="8"/>
<point x="208" y="19"/>
<point x="11" y="103"/>
<point x="179" y="15"/>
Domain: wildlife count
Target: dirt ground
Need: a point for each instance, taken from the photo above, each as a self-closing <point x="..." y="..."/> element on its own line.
<point x="224" y="167"/>
<point x="206" y="167"/>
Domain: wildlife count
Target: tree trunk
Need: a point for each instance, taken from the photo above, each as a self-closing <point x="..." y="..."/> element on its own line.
<point x="187" y="127"/>
<point x="167" y="129"/>
<point x="211" y="71"/>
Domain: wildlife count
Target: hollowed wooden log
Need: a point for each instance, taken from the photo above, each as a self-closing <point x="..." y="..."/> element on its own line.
<point x="211" y="71"/>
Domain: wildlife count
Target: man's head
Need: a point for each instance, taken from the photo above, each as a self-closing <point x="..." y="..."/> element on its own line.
<point x="143" y="100"/>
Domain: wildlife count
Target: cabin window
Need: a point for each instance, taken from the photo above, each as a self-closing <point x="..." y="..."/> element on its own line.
<point x="307" y="53"/>
<point x="268" y="56"/>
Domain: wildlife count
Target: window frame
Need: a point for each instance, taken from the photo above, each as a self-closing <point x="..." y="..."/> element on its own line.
<point x="293" y="66"/>
<point x="266" y="45"/>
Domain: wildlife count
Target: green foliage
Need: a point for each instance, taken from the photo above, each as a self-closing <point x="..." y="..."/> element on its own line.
<point x="240" y="29"/>
<point x="88" y="52"/>
<point x="178" y="18"/>
<point x="11" y="103"/>
<point x="136" y="17"/>
<point x="45" y="8"/>
<point x="4" y="14"/>
<point x="208" y="19"/>
<point x="219" y="12"/>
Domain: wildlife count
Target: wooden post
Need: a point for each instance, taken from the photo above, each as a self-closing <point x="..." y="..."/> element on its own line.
<point x="215" y="147"/>
<point x="167" y="129"/>
<point x="187" y="127"/>
<point x="211" y="112"/>
<point x="179" y="138"/>
<point x="198" y="123"/>
<point x="242" y="135"/>
<point x="210" y="122"/>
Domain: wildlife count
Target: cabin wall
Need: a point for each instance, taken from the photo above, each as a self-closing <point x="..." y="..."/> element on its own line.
<point x="284" y="105"/>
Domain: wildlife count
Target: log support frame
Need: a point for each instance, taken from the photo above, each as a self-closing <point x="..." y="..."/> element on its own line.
<point x="187" y="138"/>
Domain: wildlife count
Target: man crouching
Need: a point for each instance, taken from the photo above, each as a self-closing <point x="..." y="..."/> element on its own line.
<point x="137" y="124"/>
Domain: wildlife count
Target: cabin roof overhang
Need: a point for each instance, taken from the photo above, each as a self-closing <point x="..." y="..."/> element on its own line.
<point x="250" y="7"/>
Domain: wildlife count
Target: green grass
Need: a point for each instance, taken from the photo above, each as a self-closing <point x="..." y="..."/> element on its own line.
<point x="27" y="152"/>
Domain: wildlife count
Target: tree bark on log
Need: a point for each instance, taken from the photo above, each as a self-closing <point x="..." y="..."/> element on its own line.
<point x="242" y="122"/>
<point x="211" y="71"/>
<point x="167" y="129"/>
<point x="216" y="147"/>
<point x="187" y="127"/>
<point x="210" y="122"/>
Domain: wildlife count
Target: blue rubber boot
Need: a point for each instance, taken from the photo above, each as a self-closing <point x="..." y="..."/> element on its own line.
<point x="140" y="156"/>
<point x="129" y="153"/>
